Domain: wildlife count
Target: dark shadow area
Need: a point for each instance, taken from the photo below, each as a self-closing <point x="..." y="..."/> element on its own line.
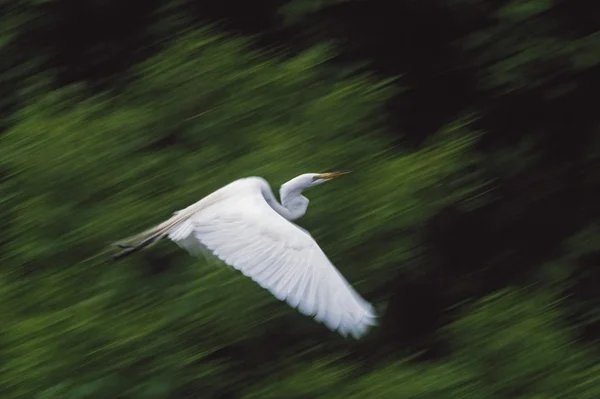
<point x="415" y="310"/>
<point x="415" y="40"/>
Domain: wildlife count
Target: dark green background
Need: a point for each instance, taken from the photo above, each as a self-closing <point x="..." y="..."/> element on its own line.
<point x="471" y="220"/>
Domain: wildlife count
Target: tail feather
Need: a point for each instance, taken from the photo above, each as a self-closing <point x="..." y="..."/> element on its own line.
<point x="140" y="241"/>
<point x="148" y="237"/>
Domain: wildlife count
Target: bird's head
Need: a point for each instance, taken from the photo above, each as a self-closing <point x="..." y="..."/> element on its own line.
<point x="291" y="191"/>
<point x="309" y="180"/>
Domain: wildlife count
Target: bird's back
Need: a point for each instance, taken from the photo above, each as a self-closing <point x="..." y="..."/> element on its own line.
<point x="237" y="188"/>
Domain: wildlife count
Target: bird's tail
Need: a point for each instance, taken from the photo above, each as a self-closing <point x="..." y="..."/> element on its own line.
<point x="142" y="240"/>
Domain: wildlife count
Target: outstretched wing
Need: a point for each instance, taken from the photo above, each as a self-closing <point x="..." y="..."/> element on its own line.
<point x="247" y="234"/>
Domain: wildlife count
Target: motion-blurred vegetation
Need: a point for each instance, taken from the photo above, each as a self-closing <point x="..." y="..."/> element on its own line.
<point x="471" y="220"/>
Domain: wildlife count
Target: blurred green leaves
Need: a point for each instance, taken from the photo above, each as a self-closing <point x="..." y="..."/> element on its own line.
<point x="81" y="171"/>
<point x="86" y="171"/>
<point x="523" y="10"/>
<point x="508" y="345"/>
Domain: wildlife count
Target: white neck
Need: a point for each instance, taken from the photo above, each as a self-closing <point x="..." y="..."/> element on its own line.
<point x="293" y="204"/>
<point x="293" y="200"/>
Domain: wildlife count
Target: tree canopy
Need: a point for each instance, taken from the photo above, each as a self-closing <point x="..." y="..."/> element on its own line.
<point x="471" y="220"/>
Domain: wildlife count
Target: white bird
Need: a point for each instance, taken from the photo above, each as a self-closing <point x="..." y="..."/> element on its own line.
<point x="243" y="225"/>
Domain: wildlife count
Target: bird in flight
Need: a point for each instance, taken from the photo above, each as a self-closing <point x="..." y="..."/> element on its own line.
<point x="244" y="226"/>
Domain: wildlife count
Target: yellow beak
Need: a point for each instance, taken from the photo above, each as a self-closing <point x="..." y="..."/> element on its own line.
<point x="331" y="175"/>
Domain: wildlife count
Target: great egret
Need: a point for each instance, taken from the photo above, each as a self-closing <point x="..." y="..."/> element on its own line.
<point x="243" y="225"/>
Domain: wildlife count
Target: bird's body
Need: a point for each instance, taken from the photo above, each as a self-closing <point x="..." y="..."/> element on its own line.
<point x="244" y="226"/>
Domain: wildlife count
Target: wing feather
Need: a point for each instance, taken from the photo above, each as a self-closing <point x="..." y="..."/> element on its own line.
<point x="246" y="233"/>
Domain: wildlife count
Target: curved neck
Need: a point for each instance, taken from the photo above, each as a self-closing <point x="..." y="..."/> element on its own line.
<point x="293" y="204"/>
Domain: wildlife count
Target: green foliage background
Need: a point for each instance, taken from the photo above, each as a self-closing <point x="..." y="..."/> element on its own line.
<point x="470" y="221"/>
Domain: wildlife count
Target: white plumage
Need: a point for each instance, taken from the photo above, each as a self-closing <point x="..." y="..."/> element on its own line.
<point x="244" y="226"/>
